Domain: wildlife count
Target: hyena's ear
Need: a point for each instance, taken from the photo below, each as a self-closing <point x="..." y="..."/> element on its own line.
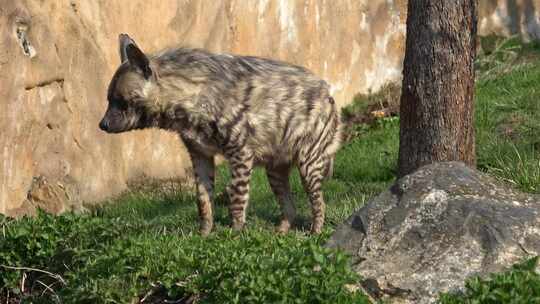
<point x="138" y="59"/>
<point x="123" y="41"/>
<point x="130" y="51"/>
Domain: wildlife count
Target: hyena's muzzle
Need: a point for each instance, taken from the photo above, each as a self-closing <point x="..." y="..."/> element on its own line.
<point x="117" y="120"/>
<point x="113" y="121"/>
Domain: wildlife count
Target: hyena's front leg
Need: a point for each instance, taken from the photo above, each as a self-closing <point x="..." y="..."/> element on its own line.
<point x="278" y="177"/>
<point x="311" y="172"/>
<point x="241" y="164"/>
<point x="203" y="168"/>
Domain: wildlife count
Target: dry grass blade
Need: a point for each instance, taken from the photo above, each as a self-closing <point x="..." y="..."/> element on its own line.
<point x="52" y="275"/>
<point x="49" y="289"/>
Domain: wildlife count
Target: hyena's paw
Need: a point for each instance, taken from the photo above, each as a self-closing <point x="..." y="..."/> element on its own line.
<point x="238" y="225"/>
<point x="205" y="227"/>
<point x="316" y="229"/>
<point x="283" y="227"/>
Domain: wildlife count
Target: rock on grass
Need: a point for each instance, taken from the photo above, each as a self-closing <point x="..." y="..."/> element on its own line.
<point x="437" y="227"/>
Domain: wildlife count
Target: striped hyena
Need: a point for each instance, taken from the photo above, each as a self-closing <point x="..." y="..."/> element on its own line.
<point x="253" y="111"/>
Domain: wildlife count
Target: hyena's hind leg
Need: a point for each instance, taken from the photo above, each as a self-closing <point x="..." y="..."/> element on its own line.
<point x="203" y="168"/>
<point x="241" y="163"/>
<point x="312" y="173"/>
<point x="278" y="178"/>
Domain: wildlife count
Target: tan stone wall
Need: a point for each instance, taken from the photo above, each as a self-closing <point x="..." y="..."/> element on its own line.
<point x="52" y="150"/>
<point x="510" y="17"/>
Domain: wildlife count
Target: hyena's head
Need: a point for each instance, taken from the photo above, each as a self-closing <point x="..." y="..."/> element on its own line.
<point x="132" y="91"/>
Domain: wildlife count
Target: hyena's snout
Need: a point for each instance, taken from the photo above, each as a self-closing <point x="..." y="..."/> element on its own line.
<point x="113" y="122"/>
<point x="104" y="124"/>
<point x="107" y="124"/>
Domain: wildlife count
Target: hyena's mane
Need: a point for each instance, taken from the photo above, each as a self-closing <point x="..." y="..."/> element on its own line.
<point x="199" y="65"/>
<point x="204" y="84"/>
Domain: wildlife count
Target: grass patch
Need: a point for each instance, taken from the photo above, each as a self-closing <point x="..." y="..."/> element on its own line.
<point x="145" y="245"/>
<point x="499" y="55"/>
<point x="367" y="109"/>
<point x="520" y="285"/>
<point x="508" y="118"/>
<point x="113" y="260"/>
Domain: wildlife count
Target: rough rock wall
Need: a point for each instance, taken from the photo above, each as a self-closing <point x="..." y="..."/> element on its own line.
<point x="510" y="17"/>
<point x="57" y="56"/>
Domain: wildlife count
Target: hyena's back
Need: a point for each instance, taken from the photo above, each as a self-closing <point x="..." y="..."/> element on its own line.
<point x="291" y="113"/>
<point x="281" y="111"/>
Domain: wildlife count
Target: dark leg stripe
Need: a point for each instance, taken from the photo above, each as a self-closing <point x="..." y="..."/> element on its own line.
<point x="313" y="182"/>
<point x="240" y="165"/>
<point x="246" y="174"/>
<point x="237" y="158"/>
<point x="230" y="140"/>
<point x="240" y="192"/>
<point x="309" y="164"/>
<point x="241" y="174"/>
<point x="240" y="184"/>
<point x="236" y="143"/>
<point x="237" y="206"/>
<point x="309" y="171"/>
<point x="316" y="187"/>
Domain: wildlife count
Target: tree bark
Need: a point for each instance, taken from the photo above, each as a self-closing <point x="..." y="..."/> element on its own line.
<point x="436" y="112"/>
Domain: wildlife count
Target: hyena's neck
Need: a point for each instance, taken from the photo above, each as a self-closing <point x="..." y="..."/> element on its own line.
<point x="180" y="102"/>
<point x="178" y="109"/>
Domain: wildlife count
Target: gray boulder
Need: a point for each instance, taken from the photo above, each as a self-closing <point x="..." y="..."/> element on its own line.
<point x="435" y="228"/>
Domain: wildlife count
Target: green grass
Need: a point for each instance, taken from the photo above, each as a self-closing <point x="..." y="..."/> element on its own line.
<point x="518" y="285"/>
<point x="508" y="120"/>
<point x="145" y="244"/>
<point x="113" y="260"/>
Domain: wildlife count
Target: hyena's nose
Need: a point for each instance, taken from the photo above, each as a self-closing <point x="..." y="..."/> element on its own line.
<point x="103" y="125"/>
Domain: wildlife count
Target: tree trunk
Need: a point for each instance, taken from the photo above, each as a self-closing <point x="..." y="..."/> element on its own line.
<point x="436" y="109"/>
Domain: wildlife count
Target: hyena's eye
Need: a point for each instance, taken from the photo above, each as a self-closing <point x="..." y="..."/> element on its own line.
<point x="120" y="103"/>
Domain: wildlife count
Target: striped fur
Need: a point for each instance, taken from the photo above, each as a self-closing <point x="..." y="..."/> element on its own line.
<point x="254" y="111"/>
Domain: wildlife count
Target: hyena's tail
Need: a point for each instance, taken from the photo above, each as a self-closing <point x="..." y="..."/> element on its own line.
<point x="329" y="168"/>
<point x="334" y="142"/>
